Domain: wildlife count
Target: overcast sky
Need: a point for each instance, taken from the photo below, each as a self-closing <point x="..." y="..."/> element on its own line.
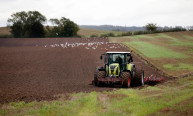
<point x="112" y="12"/>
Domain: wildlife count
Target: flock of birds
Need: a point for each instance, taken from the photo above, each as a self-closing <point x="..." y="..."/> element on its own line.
<point x="88" y="45"/>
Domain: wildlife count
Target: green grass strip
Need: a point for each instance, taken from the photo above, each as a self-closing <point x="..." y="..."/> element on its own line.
<point x="154" y="51"/>
<point x="180" y="66"/>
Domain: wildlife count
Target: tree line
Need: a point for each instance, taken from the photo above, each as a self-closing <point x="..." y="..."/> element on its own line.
<point x="149" y="28"/>
<point x="131" y="28"/>
<point x="30" y="24"/>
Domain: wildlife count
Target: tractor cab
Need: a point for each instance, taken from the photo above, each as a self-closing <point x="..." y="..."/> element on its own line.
<point x="116" y="62"/>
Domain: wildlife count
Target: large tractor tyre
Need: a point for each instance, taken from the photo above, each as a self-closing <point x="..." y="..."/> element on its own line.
<point x="139" y="77"/>
<point x="126" y="79"/>
<point x="95" y="77"/>
<point x="100" y="74"/>
<point x="133" y="72"/>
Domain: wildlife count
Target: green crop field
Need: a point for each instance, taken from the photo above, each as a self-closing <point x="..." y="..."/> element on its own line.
<point x="170" y="52"/>
<point x="88" y="32"/>
<point x="170" y="98"/>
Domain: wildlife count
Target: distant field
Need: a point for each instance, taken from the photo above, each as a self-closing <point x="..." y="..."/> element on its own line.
<point x="4" y="31"/>
<point x="83" y="32"/>
<point x="89" y="32"/>
<point x="171" y="52"/>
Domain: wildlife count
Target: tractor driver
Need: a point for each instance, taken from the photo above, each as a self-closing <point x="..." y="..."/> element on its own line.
<point x="130" y="58"/>
<point x="119" y="60"/>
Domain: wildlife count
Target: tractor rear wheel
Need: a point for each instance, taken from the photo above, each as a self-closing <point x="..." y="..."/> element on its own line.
<point x="133" y="71"/>
<point x="126" y="79"/>
<point x="100" y="74"/>
<point x="139" y="77"/>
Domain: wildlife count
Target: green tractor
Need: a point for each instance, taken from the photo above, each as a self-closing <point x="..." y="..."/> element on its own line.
<point x="118" y="69"/>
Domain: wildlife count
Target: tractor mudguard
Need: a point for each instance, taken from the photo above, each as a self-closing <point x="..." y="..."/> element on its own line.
<point x="130" y="67"/>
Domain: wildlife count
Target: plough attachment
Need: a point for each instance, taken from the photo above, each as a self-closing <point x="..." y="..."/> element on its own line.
<point x="153" y="79"/>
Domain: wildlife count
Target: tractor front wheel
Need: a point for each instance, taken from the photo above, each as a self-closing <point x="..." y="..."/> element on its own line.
<point x="100" y="74"/>
<point x="126" y="79"/>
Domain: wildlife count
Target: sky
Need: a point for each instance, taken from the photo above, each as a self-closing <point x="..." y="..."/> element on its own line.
<point x="106" y="12"/>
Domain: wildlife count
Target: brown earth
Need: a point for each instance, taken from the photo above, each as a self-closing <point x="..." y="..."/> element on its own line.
<point x="43" y="68"/>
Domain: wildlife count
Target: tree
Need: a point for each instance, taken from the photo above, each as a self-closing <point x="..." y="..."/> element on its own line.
<point x="27" y="24"/>
<point x="63" y="28"/>
<point x="36" y="30"/>
<point x="17" y="29"/>
<point x="151" y="27"/>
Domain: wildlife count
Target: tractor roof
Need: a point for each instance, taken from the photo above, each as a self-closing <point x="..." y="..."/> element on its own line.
<point x="118" y="52"/>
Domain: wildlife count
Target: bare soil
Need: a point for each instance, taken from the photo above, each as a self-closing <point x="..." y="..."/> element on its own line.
<point x="43" y="68"/>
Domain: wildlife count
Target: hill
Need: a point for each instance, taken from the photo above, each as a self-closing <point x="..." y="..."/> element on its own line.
<point x="129" y="28"/>
<point x="91" y="32"/>
<point x="113" y="28"/>
<point x="5" y="32"/>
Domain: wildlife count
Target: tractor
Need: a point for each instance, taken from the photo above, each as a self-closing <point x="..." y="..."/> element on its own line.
<point x="118" y="69"/>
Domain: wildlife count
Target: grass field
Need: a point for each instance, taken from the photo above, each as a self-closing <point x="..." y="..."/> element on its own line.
<point x="5" y="32"/>
<point x="171" y="98"/>
<point x="88" y="32"/>
<point x="171" y="52"/>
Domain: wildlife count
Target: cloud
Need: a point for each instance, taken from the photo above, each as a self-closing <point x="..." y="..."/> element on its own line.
<point x="99" y="12"/>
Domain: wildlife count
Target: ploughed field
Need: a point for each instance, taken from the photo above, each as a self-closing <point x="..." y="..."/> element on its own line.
<point x="45" y="68"/>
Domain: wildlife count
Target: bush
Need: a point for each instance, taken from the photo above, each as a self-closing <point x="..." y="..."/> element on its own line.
<point x="111" y="35"/>
<point x="126" y="34"/>
<point x="94" y="35"/>
<point x="151" y="27"/>
<point x="140" y="32"/>
<point x="108" y="35"/>
<point x="6" y="36"/>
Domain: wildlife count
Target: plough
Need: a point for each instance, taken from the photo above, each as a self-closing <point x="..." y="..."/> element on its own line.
<point x="151" y="80"/>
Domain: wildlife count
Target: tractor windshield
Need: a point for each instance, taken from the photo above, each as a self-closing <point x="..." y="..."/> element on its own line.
<point x="117" y="58"/>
